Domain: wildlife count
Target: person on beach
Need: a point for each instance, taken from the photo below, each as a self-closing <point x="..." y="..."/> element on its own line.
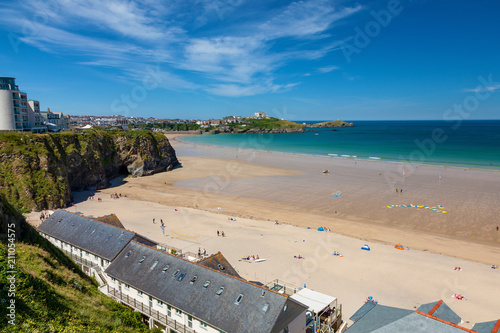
<point x="497" y="228"/>
<point x="401" y="191"/>
<point x="396" y="191"/>
<point x="223" y="235"/>
<point x="154" y="221"/>
<point x="217" y="233"/>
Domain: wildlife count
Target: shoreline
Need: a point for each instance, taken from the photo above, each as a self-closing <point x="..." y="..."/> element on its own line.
<point x="178" y="138"/>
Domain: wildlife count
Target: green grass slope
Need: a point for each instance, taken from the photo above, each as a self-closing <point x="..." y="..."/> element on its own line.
<point x="51" y="293"/>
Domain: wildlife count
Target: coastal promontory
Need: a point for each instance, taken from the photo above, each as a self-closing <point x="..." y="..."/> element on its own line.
<point x="332" y="123"/>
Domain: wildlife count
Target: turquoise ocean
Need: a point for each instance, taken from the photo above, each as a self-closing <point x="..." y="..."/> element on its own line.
<point x="469" y="143"/>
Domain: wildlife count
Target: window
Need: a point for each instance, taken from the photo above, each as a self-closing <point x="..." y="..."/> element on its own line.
<point x="160" y="303"/>
<point x="113" y="279"/>
<point x="219" y="292"/>
<point x="193" y="280"/>
<point x="95" y="257"/>
<point x="154" y="265"/>
<point x="181" y="276"/>
<point x="169" y="311"/>
<point x="142" y="259"/>
<point x="238" y="300"/>
<point x="190" y="321"/>
<point x="265" y="307"/>
<point x="176" y="272"/>
<point x="207" y="283"/>
<point x="166" y="268"/>
<point x="128" y="254"/>
<point x="203" y="325"/>
<point x="139" y="293"/>
<point x="178" y="312"/>
<point x="127" y="286"/>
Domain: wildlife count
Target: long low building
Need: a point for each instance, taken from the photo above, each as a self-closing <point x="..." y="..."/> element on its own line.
<point x="91" y="243"/>
<point x="188" y="296"/>
<point x="172" y="293"/>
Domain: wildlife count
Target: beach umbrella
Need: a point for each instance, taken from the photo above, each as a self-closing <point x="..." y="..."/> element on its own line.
<point x="365" y="247"/>
<point x="320" y="229"/>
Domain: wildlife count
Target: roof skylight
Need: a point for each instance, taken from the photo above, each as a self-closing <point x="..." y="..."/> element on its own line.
<point x="219" y="292"/>
<point x="176" y="272"/>
<point x="154" y="265"/>
<point x="265" y="307"/>
<point x="128" y="254"/>
<point x="238" y="300"/>
<point x="166" y="268"/>
<point x="206" y="284"/>
<point x="142" y="259"/>
<point x="181" y="276"/>
<point x="193" y="280"/>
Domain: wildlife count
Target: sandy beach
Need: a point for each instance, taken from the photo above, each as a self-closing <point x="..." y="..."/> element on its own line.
<point x="257" y="188"/>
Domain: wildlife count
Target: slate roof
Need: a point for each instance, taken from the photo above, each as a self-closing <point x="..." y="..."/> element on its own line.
<point x="219" y="262"/>
<point x="111" y="219"/>
<point x="441" y="310"/>
<point x="487" y="327"/>
<point x="385" y="319"/>
<point x="249" y="315"/>
<point x="93" y="236"/>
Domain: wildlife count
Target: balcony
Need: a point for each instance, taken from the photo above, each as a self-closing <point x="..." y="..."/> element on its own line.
<point x="78" y="259"/>
<point x="146" y="310"/>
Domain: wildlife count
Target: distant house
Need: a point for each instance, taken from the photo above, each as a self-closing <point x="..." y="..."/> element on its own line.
<point x="260" y="115"/>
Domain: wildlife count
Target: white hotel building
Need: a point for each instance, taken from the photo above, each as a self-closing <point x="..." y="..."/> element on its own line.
<point x="17" y="113"/>
<point x="177" y="295"/>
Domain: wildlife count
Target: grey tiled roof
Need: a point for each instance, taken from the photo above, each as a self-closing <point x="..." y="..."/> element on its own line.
<point x="486" y="327"/>
<point x="219" y="262"/>
<point x="386" y="319"/>
<point x="203" y="303"/>
<point x="93" y="236"/>
<point x="362" y="311"/>
<point x="443" y="312"/>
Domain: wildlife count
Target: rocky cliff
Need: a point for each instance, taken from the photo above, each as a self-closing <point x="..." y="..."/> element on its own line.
<point x="333" y="123"/>
<point x="38" y="171"/>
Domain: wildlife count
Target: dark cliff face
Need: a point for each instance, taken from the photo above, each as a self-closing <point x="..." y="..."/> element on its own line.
<point x="39" y="171"/>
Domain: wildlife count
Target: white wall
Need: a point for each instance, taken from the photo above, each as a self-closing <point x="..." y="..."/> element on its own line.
<point x="6" y="111"/>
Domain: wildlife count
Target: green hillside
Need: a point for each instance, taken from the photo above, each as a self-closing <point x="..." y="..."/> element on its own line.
<point x="51" y="293"/>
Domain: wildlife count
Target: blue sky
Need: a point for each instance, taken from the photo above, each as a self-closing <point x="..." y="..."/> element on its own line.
<point x="298" y="60"/>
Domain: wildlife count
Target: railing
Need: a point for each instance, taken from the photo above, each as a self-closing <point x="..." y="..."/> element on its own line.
<point x="144" y="309"/>
<point x="283" y="287"/>
<point x="79" y="259"/>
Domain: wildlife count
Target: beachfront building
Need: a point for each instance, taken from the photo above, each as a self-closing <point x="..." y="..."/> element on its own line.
<point x="177" y="295"/>
<point x="434" y="317"/>
<point x="92" y="244"/>
<point x="323" y="314"/>
<point x="17" y="113"/>
<point x="56" y="121"/>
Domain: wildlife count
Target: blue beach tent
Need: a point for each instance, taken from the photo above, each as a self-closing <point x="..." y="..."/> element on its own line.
<point x="320" y="229"/>
<point x="365" y="247"/>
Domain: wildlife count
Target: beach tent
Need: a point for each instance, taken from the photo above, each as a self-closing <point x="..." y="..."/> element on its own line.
<point x="399" y="247"/>
<point x="320" y="229"/>
<point x="365" y="247"/>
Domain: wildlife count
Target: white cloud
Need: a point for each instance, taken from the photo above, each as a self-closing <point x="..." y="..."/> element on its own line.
<point x="480" y="89"/>
<point x="328" y="69"/>
<point x="229" y="57"/>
